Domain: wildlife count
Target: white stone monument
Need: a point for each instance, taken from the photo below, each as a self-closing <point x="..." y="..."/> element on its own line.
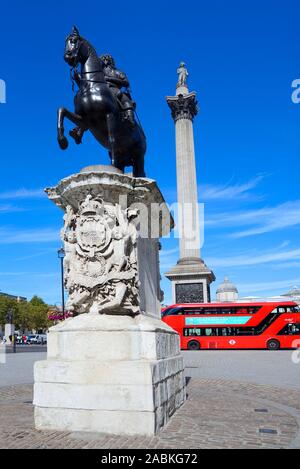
<point x="115" y="367"/>
<point x="9" y="331"/>
<point x="191" y="278"/>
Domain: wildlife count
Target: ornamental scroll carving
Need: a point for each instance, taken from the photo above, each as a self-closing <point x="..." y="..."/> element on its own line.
<point x="100" y="261"/>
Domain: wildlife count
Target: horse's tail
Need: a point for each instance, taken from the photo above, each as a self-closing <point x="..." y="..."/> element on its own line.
<point x="139" y="124"/>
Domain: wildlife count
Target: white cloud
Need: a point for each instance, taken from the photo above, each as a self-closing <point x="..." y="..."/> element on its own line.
<point x="22" y="194"/>
<point x="231" y="191"/>
<point x="29" y="274"/>
<point x="288" y="265"/>
<point x="273" y="286"/>
<point x="263" y="220"/>
<point x="228" y="191"/>
<point x="45" y="252"/>
<point x="12" y="236"/>
<point x="253" y="258"/>
<point x="168" y="252"/>
<point x="10" y="209"/>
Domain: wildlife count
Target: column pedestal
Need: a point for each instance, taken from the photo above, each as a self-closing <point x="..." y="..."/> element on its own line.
<point x="191" y="279"/>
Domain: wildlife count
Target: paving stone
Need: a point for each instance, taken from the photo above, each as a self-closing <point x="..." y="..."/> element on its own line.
<point x="218" y="414"/>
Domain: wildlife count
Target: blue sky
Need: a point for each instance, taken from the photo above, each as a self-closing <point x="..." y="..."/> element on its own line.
<point x="242" y="58"/>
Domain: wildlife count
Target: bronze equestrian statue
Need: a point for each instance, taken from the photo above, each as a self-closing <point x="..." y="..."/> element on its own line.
<point x="102" y="106"/>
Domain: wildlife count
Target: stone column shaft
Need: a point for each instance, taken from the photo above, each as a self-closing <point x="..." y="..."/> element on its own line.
<point x="189" y="226"/>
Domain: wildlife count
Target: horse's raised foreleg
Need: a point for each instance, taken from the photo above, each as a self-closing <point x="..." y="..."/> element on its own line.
<point x="75" y="118"/>
<point x="77" y="134"/>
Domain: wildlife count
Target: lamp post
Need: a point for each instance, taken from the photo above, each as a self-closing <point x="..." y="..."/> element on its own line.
<point x="61" y="255"/>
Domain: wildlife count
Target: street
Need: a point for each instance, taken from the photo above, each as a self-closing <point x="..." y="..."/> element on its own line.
<point x="274" y="368"/>
<point x="253" y="366"/>
<point x="26" y="348"/>
<point x="18" y="368"/>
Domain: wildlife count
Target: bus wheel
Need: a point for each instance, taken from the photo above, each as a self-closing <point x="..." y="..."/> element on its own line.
<point x="273" y="344"/>
<point x="193" y="345"/>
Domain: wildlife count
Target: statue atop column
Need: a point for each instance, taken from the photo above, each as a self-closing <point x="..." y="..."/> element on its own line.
<point x="182" y="75"/>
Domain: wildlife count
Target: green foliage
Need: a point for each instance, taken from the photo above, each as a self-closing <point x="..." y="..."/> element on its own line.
<point x="37" y="301"/>
<point x="26" y="315"/>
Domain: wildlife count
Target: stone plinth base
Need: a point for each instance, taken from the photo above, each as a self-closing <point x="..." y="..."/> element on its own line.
<point x="109" y="374"/>
<point x="9" y="332"/>
<point x="191" y="279"/>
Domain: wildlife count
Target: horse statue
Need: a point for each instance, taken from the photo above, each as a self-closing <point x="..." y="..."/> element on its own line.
<point x="98" y="109"/>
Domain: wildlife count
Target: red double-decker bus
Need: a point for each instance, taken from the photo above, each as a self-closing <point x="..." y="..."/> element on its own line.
<point x="265" y="325"/>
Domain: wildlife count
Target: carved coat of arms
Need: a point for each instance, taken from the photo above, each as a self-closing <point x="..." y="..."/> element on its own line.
<point x="100" y="262"/>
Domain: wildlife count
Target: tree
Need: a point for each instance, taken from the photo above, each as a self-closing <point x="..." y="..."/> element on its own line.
<point x="37" y="301"/>
<point x="38" y="310"/>
<point x="6" y="304"/>
<point x="26" y="315"/>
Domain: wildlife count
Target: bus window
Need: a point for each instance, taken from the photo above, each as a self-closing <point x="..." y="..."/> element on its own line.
<point x="242" y="311"/>
<point x="287" y="309"/>
<point x="189" y="311"/>
<point x="227" y="311"/>
<point x="192" y="332"/>
<point x="293" y="309"/>
<point x="219" y="310"/>
<point x="172" y="312"/>
<point x="226" y="331"/>
<point x="245" y="331"/>
<point x="253" y="309"/>
<point x="290" y="329"/>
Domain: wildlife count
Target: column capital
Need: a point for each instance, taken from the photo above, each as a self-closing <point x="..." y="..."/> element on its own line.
<point x="183" y="106"/>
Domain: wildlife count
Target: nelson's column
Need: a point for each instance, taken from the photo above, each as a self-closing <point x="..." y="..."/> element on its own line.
<point x="191" y="278"/>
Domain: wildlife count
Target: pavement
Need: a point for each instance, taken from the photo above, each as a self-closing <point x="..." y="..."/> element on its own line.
<point x="236" y="399"/>
<point x="26" y="348"/>
<point x="217" y="414"/>
<point x="18" y="368"/>
<point x="275" y="368"/>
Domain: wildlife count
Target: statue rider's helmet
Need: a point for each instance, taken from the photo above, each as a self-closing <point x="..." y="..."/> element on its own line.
<point x="108" y="60"/>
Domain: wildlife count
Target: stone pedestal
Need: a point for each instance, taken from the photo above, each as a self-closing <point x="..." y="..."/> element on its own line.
<point x="191" y="279"/>
<point x="116" y="367"/>
<point x="9" y="332"/>
<point x="109" y="374"/>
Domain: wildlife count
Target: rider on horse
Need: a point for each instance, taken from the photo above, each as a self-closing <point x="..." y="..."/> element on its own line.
<point x="116" y="80"/>
<point x="103" y="106"/>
